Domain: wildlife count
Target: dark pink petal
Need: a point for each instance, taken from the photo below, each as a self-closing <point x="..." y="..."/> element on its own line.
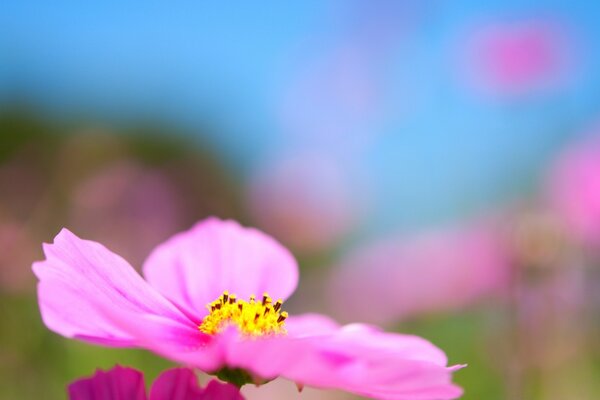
<point x="194" y="267"/>
<point x="117" y="384"/>
<point x="86" y="291"/>
<point x="176" y="384"/>
<point x="221" y="391"/>
<point x="182" y="384"/>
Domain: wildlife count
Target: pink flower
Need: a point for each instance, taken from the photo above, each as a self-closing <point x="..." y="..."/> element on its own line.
<point x="121" y="383"/>
<point x="575" y="189"/>
<point x="118" y="200"/>
<point x="197" y="307"/>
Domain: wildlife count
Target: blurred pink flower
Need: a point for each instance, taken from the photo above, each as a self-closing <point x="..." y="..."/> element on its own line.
<point x="437" y="271"/>
<point x="121" y="383"/>
<point x="185" y="312"/>
<point x="305" y="200"/>
<point x="515" y="58"/>
<point x="124" y="201"/>
<point x="575" y="189"/>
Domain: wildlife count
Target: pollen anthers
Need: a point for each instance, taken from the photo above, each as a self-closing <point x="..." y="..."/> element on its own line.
<point x="253" y="318"/>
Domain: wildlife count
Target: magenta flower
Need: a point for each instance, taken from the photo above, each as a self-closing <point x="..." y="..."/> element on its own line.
<point x="121" y="383"/>
<point x="198" y="307"/>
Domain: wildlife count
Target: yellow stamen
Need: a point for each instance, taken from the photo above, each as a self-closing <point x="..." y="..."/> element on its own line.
<point x="251" y="317"/>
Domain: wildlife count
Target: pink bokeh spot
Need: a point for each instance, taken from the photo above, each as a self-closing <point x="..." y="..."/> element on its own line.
<point x="517" y="58"/>
<point x="433" y="272"/>
<point x="574" y="187"/>
<point x="89" y="293"/>
<point x="306" y="200"/>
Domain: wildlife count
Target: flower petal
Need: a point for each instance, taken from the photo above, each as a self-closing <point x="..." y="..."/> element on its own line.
<point x="310" y="325"/>
<point x="317" y="352"/>
<point x="195" y="267"/>
<point x="85" y="291"/>
<point x="355" y="358"/>
<point x="117" y="384"/>
<point x="221" y="391"/>
<point x="182" y="384"/>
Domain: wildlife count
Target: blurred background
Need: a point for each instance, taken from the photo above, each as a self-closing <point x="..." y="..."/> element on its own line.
<point x="434" y="166"/>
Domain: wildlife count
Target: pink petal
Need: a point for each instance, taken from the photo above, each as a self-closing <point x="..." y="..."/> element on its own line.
<point x="220" y="391"/>
<point x="86" y="291"/>
<point x="310" y="325"/>
<point x="182" y="384"/>
<point x="117" y="384"/>
<point x="194" y="267"/>
<point x="176" y="384"/>
<point x="354" y="358"/>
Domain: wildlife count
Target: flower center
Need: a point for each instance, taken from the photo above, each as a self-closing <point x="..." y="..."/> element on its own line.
<point x="253" y="318"/>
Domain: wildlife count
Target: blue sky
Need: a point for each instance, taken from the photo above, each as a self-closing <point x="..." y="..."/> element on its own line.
<point x="435" y="151"/>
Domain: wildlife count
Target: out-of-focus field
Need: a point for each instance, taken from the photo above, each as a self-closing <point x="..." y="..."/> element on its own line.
<point x="433" y="166"/>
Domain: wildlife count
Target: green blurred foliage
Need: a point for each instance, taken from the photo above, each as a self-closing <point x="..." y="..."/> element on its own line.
<point x="464" y="339"/>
